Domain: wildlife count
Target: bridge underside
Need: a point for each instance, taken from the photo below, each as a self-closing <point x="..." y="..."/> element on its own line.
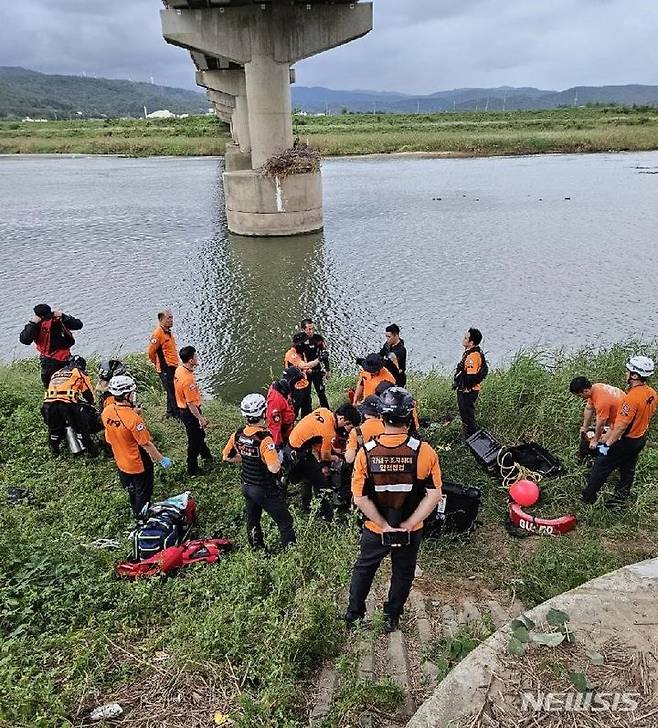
<point x="244" y="52"/>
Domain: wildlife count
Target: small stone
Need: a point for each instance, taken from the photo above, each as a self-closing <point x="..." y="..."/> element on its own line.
<point x="109" y="710"/>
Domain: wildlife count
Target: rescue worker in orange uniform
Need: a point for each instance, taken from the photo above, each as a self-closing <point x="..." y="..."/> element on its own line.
<point x="294" y="357"/>
<point x="253" y="447"/>
<point x="622" y="444"/>
<point x="414" y="427"/>
<point x="280" y="412"/>
<point x="312" y="440"/>
<point x="370" y="427"/>
<point x="188" y="399"/>
<point x="50" y="331"/>
<point x="373" y="372"/>
<point x="69" y="402"/>
<point x="164" y="355"/>
<point x="603" y="400"/>
<point x="471" y="370"/>
<point x="132" y="447"/>
<point x="396" y="484"/>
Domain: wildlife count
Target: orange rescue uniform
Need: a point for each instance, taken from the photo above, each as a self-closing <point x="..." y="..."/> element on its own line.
<point x="293" y="359"/>
<point x="427" y="467"/>
<point x="472" y="365"/>
<point x="637" y="409"/>
<point x="125" y="431"/>
<point x="69" y="386"/>
<point x="370" y="381"/>
<point x="186" y="388"/>
<point x="268" y="452"/>
<point x="162" y="347"/>
<point x="318" y="429"/>
<point x="606" y="401"/>
<point x="369" y="429"/>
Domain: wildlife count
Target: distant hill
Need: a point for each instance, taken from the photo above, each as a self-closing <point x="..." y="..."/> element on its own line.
<point x="323" y="100"/>
<point x="39" y="95"/>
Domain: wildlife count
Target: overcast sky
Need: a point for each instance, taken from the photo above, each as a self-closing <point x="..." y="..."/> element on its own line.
<point x="417" y="46"/>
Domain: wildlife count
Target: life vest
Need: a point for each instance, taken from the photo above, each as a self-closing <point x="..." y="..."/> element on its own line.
<point x="43" y="341"/>
<point x="460" y="377"/>
<point x="392" y="484"/>
<point x="62" y="386"/>
<point x="254" y="470"/>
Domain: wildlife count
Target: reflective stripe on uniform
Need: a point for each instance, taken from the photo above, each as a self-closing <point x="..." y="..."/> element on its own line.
<point x="394" y="488"/>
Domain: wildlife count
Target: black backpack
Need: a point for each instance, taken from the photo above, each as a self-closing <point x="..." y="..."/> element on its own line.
<point x="165" y="526"/>
<point x="457" y="515"/>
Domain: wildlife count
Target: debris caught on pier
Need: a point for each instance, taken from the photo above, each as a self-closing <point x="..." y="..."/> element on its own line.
<point x="299" y="159"/>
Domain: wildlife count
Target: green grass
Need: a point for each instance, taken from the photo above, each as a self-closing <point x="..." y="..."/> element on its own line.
<point x="587" y="129"/>
<point x="72" y="635"/>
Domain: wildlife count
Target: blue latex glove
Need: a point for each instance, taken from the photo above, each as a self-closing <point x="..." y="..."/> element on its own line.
<point x="166" y="462"/>
<point x="602" y="449"/>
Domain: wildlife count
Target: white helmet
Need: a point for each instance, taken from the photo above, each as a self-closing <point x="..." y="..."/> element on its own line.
<point x="253" y="406"/>
<point x="641" y="365"/>
<point x="121" y="384"/>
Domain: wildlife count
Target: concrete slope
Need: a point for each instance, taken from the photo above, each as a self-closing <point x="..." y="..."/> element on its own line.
<point x="622" y="604"/>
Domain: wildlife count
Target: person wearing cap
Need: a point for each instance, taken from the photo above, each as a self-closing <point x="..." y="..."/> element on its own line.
<point x="50" y="332"/>
<point x="371" y="426"/>
<point x="280" y="413"/>
<point x="69" y="402"/>
<point x="294" y="357"/>
<point x="188" y="399"/>
<point x="132" y="447"/>
<point x="312" y="439"/>
<point x="163" y="354"/>
<point x="395" y="355"/>
<point x="373" y="372"/>
<point x="621" y="446"/>
<point x="253" y="447"/>
<point x="396" y="484"/>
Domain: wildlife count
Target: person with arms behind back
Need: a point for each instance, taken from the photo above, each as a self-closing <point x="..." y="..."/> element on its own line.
<point x="396" y="484"/>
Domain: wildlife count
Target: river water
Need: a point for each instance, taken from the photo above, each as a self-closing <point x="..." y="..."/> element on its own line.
<point x="544" y="251"/>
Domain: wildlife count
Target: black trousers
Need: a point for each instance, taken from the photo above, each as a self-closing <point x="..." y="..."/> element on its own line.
<point x="60" y="415"/>
<point x="403" y="568"/>
<point x="622" y="456"/>
<point x="196" y="441"/>
<point x="48" y="368"/>
<point x="316" y="377"/>
<point x="167" y="379"/>
<point x="272" y="501"/>
<point x="466" y="403"/>
<point x="315" y="482"/>
<point x="301" y="400"/>
<point x="139" y="485"/>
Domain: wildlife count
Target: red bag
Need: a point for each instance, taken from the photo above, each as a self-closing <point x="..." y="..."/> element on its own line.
<point x="199" y="551"/>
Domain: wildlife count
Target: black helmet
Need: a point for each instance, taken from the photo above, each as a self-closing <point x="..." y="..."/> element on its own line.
<point x="371" y="406"/>
<point x="292" y="375"/>
<point x="298" y="339"/>
<point x="109" y="368"/>
<point x="397" y="405"/>
<point x="373" y="363"/>
<point x="78" y="362"/>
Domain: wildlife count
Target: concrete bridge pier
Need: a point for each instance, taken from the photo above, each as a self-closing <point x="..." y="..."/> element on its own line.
<point x="266" y="39"/>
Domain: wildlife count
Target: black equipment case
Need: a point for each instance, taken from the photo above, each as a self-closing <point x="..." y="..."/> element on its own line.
<point x="458" y="512"/>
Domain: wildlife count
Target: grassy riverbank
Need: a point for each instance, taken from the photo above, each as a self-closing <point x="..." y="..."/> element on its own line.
<point x="245" y="637"/>
<point x="589" y="129"/>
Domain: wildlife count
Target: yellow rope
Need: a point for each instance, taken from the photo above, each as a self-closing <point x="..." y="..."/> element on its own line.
<point x="514" y="472"/>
